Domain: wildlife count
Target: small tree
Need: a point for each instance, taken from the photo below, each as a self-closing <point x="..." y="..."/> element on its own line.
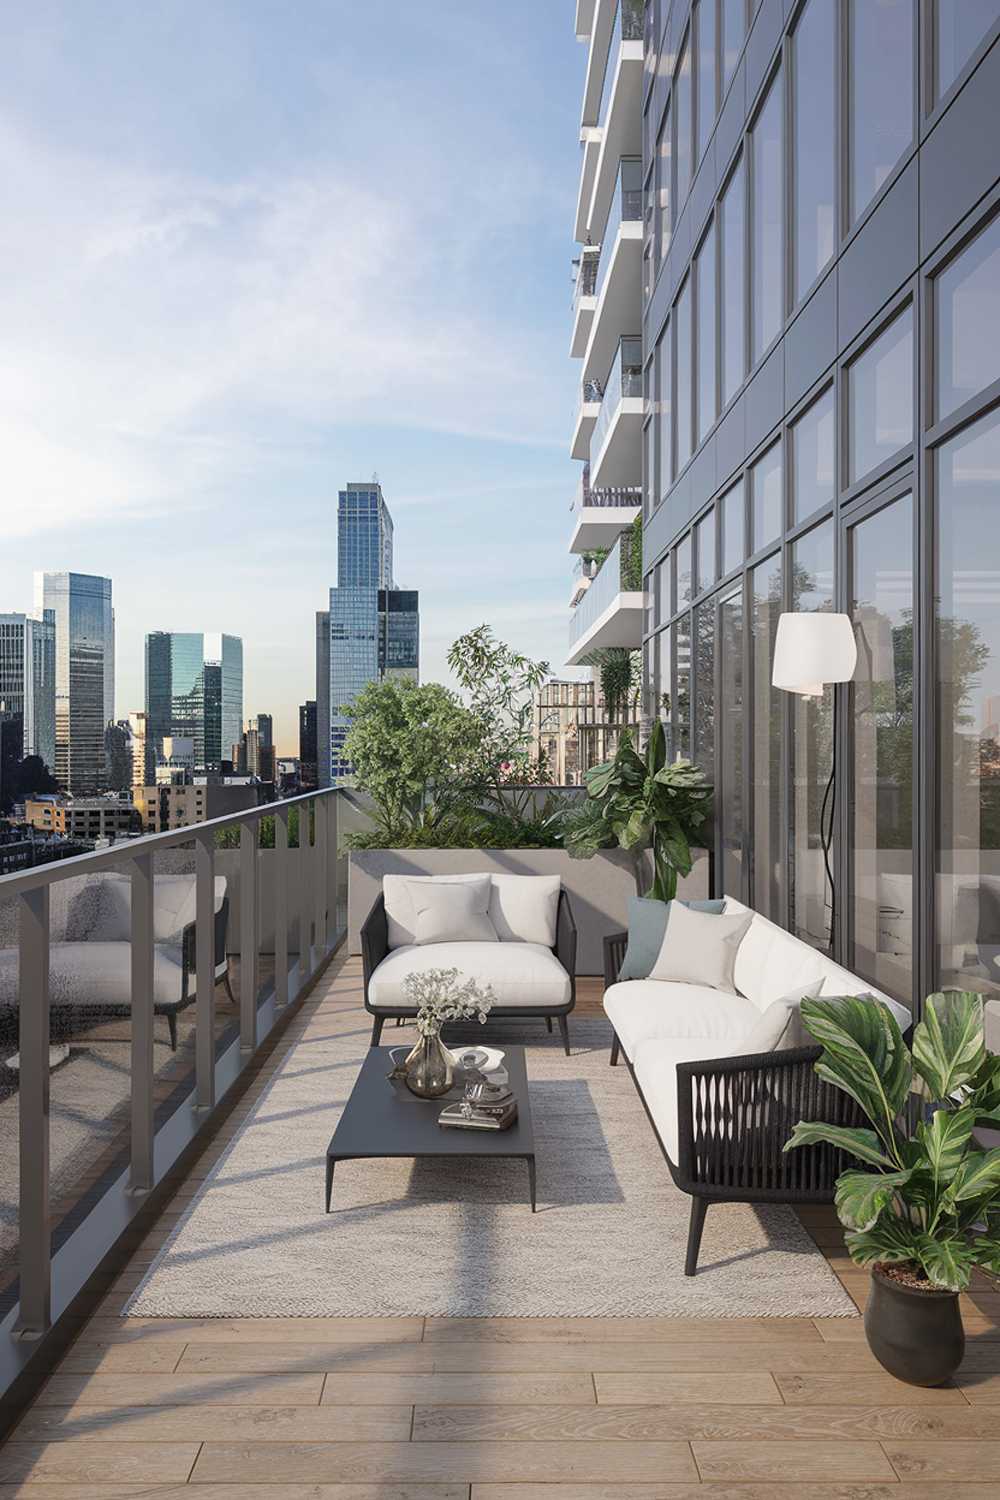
<point x="500" y="684"/>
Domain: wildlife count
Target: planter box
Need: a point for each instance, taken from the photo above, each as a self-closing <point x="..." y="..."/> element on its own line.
<point x="598" y="888"/>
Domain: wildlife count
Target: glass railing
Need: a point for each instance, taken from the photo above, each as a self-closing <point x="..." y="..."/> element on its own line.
<point x="611" y="497"/>
<point x="627" y="26"/>
<point x="591" y="391"/>
<point x="625" y="205"/>
<point x="624" y="379"/>
<point x="617" y="574"/>
<point x="586" y="275"/>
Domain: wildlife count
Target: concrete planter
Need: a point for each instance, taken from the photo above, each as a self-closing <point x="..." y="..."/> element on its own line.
<point x="598" y="888"/>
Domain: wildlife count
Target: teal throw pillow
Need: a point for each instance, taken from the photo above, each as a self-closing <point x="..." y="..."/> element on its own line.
<point x="647" y="923"/>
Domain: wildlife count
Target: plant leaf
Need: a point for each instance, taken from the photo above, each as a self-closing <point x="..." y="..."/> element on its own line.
<point x="889" y="1240"/>
<point x="978" y="1176"/>
<point x="864" y="1144"/>
<point x="948" y="1044"/>
<point x="986" y="1253"/>
<point x="863" y="1054"/>
<point x="947" y="1259"/>
<point x="861" y="1196"/>
<point x="945" y="1139"/>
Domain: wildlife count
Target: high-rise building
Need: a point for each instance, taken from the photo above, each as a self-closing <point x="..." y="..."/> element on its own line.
<point x="28" y="686"/>
<point x="372" y="629"/>
<point x="85" y="674"/>
<point x="143" y="757"/>
<point x="194" y="689"/>
<point x="562" y="711"/>
<point x="821" y="289"/>
<point x="118" y="756"/>
<point x="307" y="746"/>
<point x="266" y="768"/>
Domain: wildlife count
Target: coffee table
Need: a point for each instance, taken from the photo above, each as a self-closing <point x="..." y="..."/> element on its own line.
<point x="385" y="1119"/>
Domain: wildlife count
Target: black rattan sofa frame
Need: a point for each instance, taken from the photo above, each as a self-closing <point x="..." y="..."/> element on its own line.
<point x="375" y="947"/>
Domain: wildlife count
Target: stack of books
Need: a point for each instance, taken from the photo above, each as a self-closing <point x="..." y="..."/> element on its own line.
<point x="484" y="1108"/>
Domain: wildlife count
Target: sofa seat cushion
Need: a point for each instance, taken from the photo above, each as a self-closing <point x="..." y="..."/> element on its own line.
<point x="655" y="1066"/>
<point x="643" y="1009"/>
<point x="90" y="975"/>
<point x="521" y="974"/>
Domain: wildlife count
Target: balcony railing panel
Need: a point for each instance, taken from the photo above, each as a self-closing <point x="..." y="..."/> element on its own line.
<point x="586" y="275"/>
<point x="624" y="379"/>
<point x="611" y="497"/>
<point x="627" y="26"/>
<point x="625" y="207"/>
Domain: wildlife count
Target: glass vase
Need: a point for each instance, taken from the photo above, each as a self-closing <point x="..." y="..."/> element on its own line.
<point x="430" y="1068"/>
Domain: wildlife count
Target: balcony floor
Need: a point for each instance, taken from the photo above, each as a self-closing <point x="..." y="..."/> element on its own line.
<point x="481" y="1409"/>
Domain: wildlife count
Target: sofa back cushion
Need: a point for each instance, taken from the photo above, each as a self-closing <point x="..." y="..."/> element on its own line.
<point x="453" y="912"/>
<point x="647" y="923"/>
<point x="700" y="947"/>
<point x="522" y="908"/>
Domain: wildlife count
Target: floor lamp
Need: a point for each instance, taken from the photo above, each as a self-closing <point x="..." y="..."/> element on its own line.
<point x="810" y="651"/>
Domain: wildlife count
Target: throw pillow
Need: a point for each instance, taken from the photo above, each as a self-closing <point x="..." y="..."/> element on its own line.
<point x="647" y="923"/>
<point x="453" y="913"/>
<point x="699" y="948"/>
<point x="779" y="1028"/>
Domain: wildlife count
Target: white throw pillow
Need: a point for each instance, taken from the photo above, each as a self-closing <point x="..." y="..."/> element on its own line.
<point x="780" y="1027"/>
<point x="699" y="948"/>
<point x="453" y="913"/>
<point x="523" y="908"/>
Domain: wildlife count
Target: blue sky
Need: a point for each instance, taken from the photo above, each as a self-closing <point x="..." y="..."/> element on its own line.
<point x="252" y="250"/>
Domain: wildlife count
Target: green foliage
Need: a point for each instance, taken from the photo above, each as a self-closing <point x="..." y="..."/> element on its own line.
<point x="621" y="680"/>
<point x="934" y="1190"/>
<point x="499" y="684"/>
<point x="637" y="802"/>
<point x="630" y="553"/>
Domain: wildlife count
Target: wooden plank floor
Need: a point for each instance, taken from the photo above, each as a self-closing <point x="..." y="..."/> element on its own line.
<point x="493" y="1409"/>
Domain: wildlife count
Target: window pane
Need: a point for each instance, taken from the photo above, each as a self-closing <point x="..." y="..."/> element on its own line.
<point x="881" y="93"/>
<point x="706" y="73"/>
<point x="729" y="802"/>
<point x="766" y="224"/>
<point x="811" y="440"/>
<point x="968" y="656"/>
<point x="882" y="727"/>
<point x="733" y="31"/>
<point x="682" y="318"/>
<point x="649" y="593"/>
<point x="682" y="686"/>
<point x="661" y="682"/>
<point x="768" y="858"/>
<point x="815" y="140"/>
<point x="649" y="446"/>
<point x="881" y="397"/>
<point x="765" y="498"/>
<point x="967" y="294"/>
<point x="664" y="187"/>
<point x="812" y="750"/>
<point x="733" y="529"/>
<point x="704" y="688"/>
<point x="684" y="570"/>
<point x="734" y="343"/>
<point x="961" y="26"/>
<point x="705" y="531"/>
<point x="666" y="474"/>
<point x="682" y="123"/>
<point x="705" y="291"/>
<point x="662" y="576"/>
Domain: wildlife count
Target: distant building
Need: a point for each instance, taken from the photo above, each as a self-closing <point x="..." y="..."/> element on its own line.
<point x="323" y="697"/>
<point x="84" y="674"/>
<point x="180" y="803"/>
<point x="118" y="756"/>
<point x="194" y="689"/>
<point x="28" y="687"/>
<point x="265" y="748"/>
<point x="569" y="734"/>
<point x="143" y="757"/>
<point x="88" y="818"/>
<point x="308" y="767"/>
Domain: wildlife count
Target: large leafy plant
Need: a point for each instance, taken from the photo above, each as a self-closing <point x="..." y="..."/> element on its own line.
<point x="930" y="1197"/>
<point x="638" y="803"/>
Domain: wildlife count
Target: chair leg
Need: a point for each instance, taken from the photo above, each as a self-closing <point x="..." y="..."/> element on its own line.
<point x="172" y="1028"/>
<point x="564" y="1030"/>
<point x="229" y="988"/>
<point x="699" y="1208"/>
<point x="377" y="1023"/>
<point x="615" y="1049"/>
<point x="548" y="1023"/>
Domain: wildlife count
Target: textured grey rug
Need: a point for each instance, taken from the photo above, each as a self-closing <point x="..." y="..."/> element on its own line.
<point x="453" y="1238"/>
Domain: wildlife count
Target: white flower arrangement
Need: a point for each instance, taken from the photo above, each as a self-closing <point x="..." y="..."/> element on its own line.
<point x="438" y="996"/>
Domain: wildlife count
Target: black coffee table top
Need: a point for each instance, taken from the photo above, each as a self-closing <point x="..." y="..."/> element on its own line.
<point x="385" y="1119"/>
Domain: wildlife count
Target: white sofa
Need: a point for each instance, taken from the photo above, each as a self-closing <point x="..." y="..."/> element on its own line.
<point x="531" y="968"/>
<point x="90" y="949"/>
<point x="687" y="1049"/>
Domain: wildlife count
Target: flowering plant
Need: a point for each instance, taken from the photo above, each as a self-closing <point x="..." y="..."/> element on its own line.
<point x="438" y="996"/>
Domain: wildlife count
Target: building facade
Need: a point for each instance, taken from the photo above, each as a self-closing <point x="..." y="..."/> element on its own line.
<point x="821" y="289"/>
<point x="86" y="818"/>
<point x="84" y="674"/>
<point x="308" y="769"/>
<point x="118" y="756"/>
<point x="181" y="801"/>
<point x="28" y="686"/>
<point x="194" y="689"/>
<point x="565" y="714"/>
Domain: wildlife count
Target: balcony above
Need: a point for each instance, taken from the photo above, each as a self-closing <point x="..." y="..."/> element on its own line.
<point x="616" y="442"/>
<point x="620" y="112"/>
<point x="586" y="570"/>
<point x="584" y="19"/>
<point x="603" y="22"/>
<point x="587" y="412"/>
<point x="610" y="612"/>
<point x="590" y="150"/>
<point x="584" y="299"/>
<point x="618" y="285"/>
<point x="600" y="515"/>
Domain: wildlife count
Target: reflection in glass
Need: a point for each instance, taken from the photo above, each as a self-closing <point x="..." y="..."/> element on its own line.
<point x="661" y="682"/>
<point x="663" y="186"/>
<point x="682" y="686"/>
<point x="811" y="751"/>
<point x="881" y="75"/>
<point x="662" y="575"/>
<point x="684" y="570"/>
<point x="811" y="440"/>
<point x="967" y="302"/>
<point x="730" y="791"/>
<point x="767" y="245"/>
<point x="705" y="292"/>
<point x="734" y="25"/>
<point x="733" y="311"/>
<point x="815" y="140"/>
<point x="768" y="856"/>
<point x="682" y="122"/>
<point x="663" y="380"/>
<point x="649" y="444"/>
<point x="706" y="73"/>
<point x="961" y="26"/>
<point x="704" y="688"/>
<point x="682" y="319"/>
<point x="705" y="533"/>
<point x="968" y="666"/>
<point x="733" y="528"/>
<point x="882" y="750"/>
<point x="765" y="497"/>
<point x="881" y="397"/>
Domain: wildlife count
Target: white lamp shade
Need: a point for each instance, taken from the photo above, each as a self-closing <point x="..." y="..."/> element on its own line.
<point x="811" y="650"/>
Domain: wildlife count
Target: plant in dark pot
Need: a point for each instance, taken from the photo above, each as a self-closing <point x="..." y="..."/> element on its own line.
<point x="924" y="1208"/>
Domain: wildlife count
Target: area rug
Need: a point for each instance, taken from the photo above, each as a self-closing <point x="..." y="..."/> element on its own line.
<point x="458" y="1238"/>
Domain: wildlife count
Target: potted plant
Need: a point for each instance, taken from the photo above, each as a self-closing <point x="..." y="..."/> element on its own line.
<point x="641" y="802"/>
<point x="438" y="996"/>
<point x="925" y="1207"/>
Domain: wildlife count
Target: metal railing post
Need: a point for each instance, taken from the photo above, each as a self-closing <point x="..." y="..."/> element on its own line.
<point x="35" y="1250"/>
<point x="331" y="809"/>
<point x="141" y="1174"/>
<point x="205" y="962"/>
<point x="305" y="903"/>
<point x="248" y="937"/>
<point x="319" y="876"/>
<point x="281" y="907"/>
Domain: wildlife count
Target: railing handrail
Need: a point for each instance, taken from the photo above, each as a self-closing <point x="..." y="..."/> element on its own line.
<point x="102" y="859"/>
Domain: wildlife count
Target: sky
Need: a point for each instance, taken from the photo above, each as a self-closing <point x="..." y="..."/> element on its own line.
<point x="251" y="250"/>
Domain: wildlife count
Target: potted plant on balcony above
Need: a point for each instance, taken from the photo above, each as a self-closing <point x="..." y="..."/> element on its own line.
<point x="924" y="1209"/>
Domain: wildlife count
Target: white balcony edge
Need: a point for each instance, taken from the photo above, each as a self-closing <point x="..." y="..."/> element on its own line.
<point x="609" y="518"/>
<point x="586" y="420"/>
<point x="583" y="321"/>
<point x="629" y="233"/>
<point x="628" y="406"/>
<point x="626" y="601"/>
<point x="591" y="137"/>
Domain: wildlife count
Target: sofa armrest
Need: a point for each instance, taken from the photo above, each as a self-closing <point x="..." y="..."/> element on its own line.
<point x="614" y="956"/>
<point x="566" y="935"/>
<point x="734" y="1115"/>
<point x="374" y="941"/>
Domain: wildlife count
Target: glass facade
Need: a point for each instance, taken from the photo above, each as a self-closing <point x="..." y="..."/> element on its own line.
<point x="967" y="317"/>
<point x="881" y="397"/>
<point x="84" y="674"/>
<point x="767" y="241"/>
<point x="814" y="160"/>
<point x="881" y="92"/>
<point x="194" y="690"/>
<point x="27" y="689"/>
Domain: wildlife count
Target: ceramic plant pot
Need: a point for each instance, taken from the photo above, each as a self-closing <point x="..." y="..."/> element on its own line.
<point x="917" y="1336"/>
<point x="430" y="1068"/>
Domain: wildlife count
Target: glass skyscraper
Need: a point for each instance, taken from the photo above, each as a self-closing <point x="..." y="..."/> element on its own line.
<point x="194" y="690"/>
<point x="374" y="628"/>
<point x="27" y="690"/>
<point x="84" y="674"/>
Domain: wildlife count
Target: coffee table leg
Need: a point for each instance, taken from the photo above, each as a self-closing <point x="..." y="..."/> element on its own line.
<point x="531" y="1180"/>
<point x="330" y="1164"/>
